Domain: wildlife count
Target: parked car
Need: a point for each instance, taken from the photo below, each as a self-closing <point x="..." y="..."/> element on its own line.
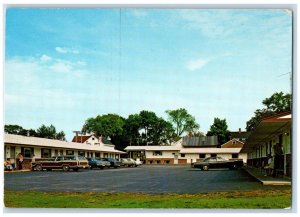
<point x="218" y="162"/>
<point x="105" y="162"/>
<point x="97" y="163"/>
<point x="135" y="162"/>
<point x="62" y="162"/>
<point x="138" y="162"/>
<point x="127" y="163"/>
<point x="113" y="162"/>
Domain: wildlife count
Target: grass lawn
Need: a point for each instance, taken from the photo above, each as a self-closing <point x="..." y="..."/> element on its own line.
<point x="267" y="199"/>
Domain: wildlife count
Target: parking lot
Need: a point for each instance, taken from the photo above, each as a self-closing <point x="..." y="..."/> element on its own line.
<point x="144" y="179"/>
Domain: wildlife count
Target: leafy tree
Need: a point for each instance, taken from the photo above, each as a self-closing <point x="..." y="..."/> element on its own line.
<point x="49" y="133"/>
<point x="18" y="130"/>
<point x="13" y="129"/>
<point x="182" y="121"/>
<point x="132" y="127"/>
<point x="219" y="128"/>
<point x="161" y="133"/>
<point x="60" y="136"/>
<point x="146" y="128"/>
<point x="277" y="103"/>
<point x="105" y="125"/>
<point x="198" y="134"/>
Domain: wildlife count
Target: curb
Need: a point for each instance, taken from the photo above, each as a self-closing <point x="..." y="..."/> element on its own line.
<point x="287" y="183"/>
<point x="17" y="171"/>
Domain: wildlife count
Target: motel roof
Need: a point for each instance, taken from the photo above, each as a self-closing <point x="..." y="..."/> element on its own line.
<point x="52" y="143"/>
<point x="266" y="129"/>
<point x="210" y="150"/>
<point x="153" y="148"/>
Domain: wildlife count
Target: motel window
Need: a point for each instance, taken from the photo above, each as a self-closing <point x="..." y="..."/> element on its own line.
<point x="28" y="152"/>
<point x="61" y="152"/>
<point x="70" y="152"/>
<point x="105" y="155"/>
<point x="97" y="154"/>
<point x="56" y="153"/>
<point x="156" y="153"/>
<point x="202" y="155"/>
<point x="81" y="153"/>
<point x="213" y="155"/>
<point x="182" y="155"/>
<point x="46" y="153"/>
<point x="235" y="156"/>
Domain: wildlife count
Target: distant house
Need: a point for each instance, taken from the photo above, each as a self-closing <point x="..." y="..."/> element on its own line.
<point x="186" y="151"/>
<point x="239" y="135"/>
<point x="234" y="143"/>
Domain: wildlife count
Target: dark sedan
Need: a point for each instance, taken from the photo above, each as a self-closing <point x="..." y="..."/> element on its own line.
<point x="218" y="162"/>
<point x="96" y="163"/>
<point x="113" y="162"/>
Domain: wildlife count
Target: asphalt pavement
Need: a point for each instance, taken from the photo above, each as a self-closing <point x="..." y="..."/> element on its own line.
<point x="144" y="179"/>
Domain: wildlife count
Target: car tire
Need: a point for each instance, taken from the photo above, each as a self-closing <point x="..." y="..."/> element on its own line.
<point x="205" y="168"/>
<point x="38" y="167"/>
<point x="66" y="168"/>
<point x="101" y="168"/>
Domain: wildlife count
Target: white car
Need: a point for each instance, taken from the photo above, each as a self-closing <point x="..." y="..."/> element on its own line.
<point x="136" y="162"/>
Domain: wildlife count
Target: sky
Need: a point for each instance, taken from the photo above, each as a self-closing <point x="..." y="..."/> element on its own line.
<point x="65" y="65"/>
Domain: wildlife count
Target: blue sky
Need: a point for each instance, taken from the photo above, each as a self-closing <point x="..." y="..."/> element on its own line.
<point x="63" y="66"/>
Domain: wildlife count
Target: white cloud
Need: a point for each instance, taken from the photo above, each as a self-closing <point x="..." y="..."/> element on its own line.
<point x="61" y="67"/>
<point x="197" y="64"/>
<point x="66" y="50"/>
<point x="45" y="58"/>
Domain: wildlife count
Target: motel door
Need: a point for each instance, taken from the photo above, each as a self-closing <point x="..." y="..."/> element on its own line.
<point x="12" y="154"/>
<point x="175" y="159"/>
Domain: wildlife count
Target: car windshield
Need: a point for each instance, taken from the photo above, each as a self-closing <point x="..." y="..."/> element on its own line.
<point x="83" y="158"/>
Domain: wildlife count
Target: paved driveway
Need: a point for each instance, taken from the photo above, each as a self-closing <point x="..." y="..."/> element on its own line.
<point x="146" y="179"/>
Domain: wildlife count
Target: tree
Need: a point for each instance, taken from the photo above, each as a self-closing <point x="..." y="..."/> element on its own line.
<point x="49" y="133"/>
<point x="146" y="128"/>
<point x="182" y="121"/>
<point x="277" y="103"/>
<point x="219" y="128"/>
<point x="60" y="136"/>
<point x="132" y="127"/>
<point x="18" y="130"/>
<point x="13" y="129"/>
<point x="162" y="132"/>
<point x="105" y="125"/>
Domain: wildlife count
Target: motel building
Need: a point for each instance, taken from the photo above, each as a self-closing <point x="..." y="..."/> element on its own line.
<point x="87" y="146"/>
<point x="260" y="144"/>
<point x="187" y="150"/>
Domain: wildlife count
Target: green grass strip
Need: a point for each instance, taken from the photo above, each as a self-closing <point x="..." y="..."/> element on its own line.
<point x="235" y="200"/>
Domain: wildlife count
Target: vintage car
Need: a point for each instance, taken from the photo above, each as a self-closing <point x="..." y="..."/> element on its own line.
<point x="218" y="162"/>
<point x="97" y="163"/>
<point x="135" y="162"/>
<point x="127" y="163"/>
<point x="113" y="162"/>
<point x="61" y="162"/>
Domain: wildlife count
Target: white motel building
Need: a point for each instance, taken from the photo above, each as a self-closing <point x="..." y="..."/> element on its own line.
<point x="87" y="146"/>
<point x="187" y="150"/>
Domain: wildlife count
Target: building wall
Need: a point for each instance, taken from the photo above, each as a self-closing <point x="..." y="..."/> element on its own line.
<point x="38" y="153"/>
<point x="258" y="156"/>
<point x="165" y="154"/>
